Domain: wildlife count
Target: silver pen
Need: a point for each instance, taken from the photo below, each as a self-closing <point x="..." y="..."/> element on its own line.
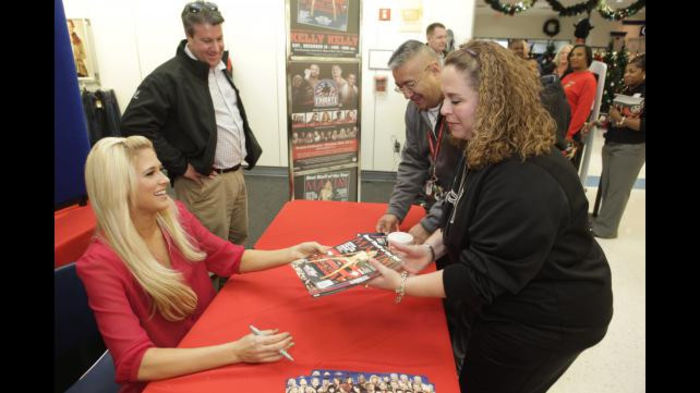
<point x="257" y="332"/>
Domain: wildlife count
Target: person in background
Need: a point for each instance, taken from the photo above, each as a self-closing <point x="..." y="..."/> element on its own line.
<point x="450" y="41"/>
<point x="554" y="100"/>
<point x="580" y="88"/>
<point x="191" y="110"/>
<point x="521" y="49"/>
<point x="561" y="60"/>
<point x="428" y="159"/>
<point x="534" y="285"/>
<point x="145" y="270"/>
<point x="436" y="35"/>
<point x="623" y="155"/>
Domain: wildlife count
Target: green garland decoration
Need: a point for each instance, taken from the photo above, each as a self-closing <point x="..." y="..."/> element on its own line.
<point x="601" y="6"/>
<point x="509" y="9"/>
<point x="608" y="13"/>
<point x="587" y="6"/>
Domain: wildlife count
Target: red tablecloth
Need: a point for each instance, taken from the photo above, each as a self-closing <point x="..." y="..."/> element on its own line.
<point x="73" y="228"/>
<point x="361" y="329"/>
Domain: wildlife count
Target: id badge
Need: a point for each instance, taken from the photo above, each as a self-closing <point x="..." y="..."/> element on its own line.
<point x="429" y="186"/>
<point x="439" y="192"/>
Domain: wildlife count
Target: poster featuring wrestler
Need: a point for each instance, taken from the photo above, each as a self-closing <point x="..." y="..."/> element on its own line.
<point x="324" y="129"/>
<point x="335" y="185"/>
<point x="323" y="85"/>
<point x="329" y="186"/>
<point x="324" y="28"/>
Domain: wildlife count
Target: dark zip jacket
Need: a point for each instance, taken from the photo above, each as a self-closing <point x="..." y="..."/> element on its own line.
<point x="173" y="108"/>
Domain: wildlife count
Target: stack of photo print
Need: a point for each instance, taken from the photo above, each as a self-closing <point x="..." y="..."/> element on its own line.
<point x="343" y="381"/>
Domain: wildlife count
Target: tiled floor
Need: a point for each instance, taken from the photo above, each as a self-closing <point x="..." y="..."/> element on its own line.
<point x="617" y="364"/>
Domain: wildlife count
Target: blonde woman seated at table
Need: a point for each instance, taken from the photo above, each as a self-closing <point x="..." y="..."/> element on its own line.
<point x="532" y="285"/>
<point x="146" y="270"/>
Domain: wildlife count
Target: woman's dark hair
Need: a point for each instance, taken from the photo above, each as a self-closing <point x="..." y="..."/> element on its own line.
<point x="640" y="62"/>
<point x="589" y="58"/>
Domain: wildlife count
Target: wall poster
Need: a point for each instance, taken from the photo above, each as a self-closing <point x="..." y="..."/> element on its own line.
<point x="324" y="122"/>
<point x="334" y="185"/>
<point x="324" y="28"/>
<point x="324" y="96"/>
<point x="80" y="34"/>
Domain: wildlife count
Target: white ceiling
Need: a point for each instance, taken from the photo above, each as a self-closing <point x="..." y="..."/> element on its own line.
<point x="542" y="7"/>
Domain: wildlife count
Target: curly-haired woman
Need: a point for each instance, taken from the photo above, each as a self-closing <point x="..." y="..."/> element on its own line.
<point x="530" y="283"/>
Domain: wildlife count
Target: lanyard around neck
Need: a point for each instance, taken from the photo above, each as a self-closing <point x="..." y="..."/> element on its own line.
<point x="435" y="148"/>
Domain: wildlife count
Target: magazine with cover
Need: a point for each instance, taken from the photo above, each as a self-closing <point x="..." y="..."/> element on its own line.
<point x="629" y="106"/>
<point x="345" y="265"/>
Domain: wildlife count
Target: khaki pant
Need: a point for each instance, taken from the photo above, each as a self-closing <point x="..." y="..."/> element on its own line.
<point x="220" y="204"/>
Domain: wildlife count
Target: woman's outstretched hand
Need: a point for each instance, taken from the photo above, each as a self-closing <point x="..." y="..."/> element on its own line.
<point x="305" y="249"/>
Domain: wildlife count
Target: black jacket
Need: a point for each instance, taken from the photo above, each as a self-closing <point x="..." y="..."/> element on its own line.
<point x="173" y="108"/>
<point x="554" y="101"/>
<point x="521" y="252"/>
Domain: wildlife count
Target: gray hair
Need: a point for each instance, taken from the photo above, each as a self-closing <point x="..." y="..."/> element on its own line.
<point x="204" y="15"/>
<point x="407" y="51"/>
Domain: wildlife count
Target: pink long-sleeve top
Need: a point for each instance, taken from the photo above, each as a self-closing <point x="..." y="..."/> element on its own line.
<point x="123" y="309"/>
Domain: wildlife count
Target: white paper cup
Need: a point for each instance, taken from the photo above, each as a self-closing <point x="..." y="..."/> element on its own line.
<point x="400" y="238"/>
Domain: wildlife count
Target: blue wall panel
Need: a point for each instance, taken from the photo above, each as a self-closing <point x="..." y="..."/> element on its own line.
<point x="71" y="143"/>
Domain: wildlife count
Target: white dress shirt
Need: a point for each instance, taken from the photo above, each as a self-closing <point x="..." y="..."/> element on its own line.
<point x="230" y="140"/>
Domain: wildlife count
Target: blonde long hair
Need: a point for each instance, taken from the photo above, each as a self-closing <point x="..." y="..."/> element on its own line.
<point x="110" y="179"/>
<point x="558" y="56"/>
<point x="510" y="118"/>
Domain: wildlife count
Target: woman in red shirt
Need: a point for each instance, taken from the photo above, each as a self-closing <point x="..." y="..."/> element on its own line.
<point x="146" y="270"/>
<point x="580" y="88"/>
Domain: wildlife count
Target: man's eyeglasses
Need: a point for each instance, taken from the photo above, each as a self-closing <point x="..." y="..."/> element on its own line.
<point x="198" y="6"/>
<point x="410" y="85"/>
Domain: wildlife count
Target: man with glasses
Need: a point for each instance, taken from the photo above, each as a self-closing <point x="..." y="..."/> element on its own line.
<point x="192" y="111"/>
<point x="428" y="159"/>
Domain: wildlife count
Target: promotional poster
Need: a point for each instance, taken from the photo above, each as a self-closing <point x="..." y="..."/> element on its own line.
<point x="324" y="121"/>
<point x="324" y="28"/>
<point x="336" y="185"/>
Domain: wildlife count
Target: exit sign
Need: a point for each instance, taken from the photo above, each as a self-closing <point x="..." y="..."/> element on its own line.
<point x="385" y="14"/>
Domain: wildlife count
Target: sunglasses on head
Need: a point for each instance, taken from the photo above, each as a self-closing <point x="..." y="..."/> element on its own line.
<point x="470" y="51"/>
<point x="198" y="6"/>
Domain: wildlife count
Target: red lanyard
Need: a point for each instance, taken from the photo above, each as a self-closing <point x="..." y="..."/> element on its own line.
<point x="434" y="150"/>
